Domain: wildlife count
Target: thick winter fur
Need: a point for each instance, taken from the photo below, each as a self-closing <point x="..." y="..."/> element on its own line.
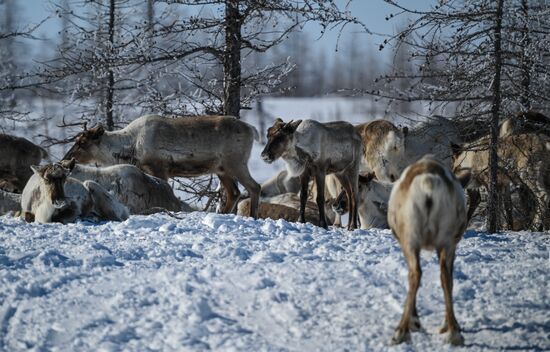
<point x="9" y="202"/>
<point x="130" y="186"/>
<point x="284" y="206"/>
<point x="173" y="147"/>
<point x="310" y="148"/>
<point x="280" y="183"/>
<point x="433" y="137"/>
<point x="16" y="157"/>
<point x="51" y="196"/>
<point x="427" y="210"/>
<point x="525" y="122"/>
<point x="523" y="161"/>
<point x="380" y="138"/>
<point x="374" y="196"/>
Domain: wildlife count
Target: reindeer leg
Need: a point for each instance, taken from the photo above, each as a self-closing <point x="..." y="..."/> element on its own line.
<point x="243" y="176"/>
<point x="402" y="332"/>
<point x="232" y="193"/>
<point x="508" y="209"/>
<point x="451" y="327"/>
<point x="304" y="182"/>
<point x="320" y="182"/>
<point x="354" y="179"/>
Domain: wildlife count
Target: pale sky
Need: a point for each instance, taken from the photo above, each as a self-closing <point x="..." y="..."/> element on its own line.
<point x="371" y="12"/>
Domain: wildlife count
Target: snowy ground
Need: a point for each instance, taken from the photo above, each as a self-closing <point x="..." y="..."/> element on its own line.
<point x="221" y="282"/>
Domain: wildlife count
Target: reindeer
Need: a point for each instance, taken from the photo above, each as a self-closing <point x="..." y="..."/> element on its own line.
<point x="432" y="137"/>
<point x="372" y="207"/>
<point x="279" y="184"/>
<point x="427" y="210"/>
<point x="138" y="191"/>
<point x="525" y="122"/>
<point x="284" y="206"/>
<point x="380" y="138"/>
<point x="178" y="147"/>
<point x="523" y="162"/>
<point x="16" y="157"/>
<point x="51" y="196"/>
<point x="312" y="148"/>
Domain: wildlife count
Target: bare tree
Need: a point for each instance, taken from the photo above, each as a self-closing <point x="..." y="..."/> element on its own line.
<point x="472" y="58"/>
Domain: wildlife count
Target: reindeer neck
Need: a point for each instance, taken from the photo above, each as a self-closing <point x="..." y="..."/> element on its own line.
<point x="120" y="146"/>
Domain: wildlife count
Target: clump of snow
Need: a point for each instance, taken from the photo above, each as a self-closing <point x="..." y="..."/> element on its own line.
<point x="223" y="282"/>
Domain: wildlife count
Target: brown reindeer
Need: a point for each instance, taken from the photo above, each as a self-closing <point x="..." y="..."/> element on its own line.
<point x="427" y="210"/>
<point x="310" y="148"/>
<point x="283" y="206"/>
<point x="178" y="147"/>
<point x="380" y="137"/>
<point x="523" y="162"/>
<point x="525" y="122"/>
<point x="16" y="157"/>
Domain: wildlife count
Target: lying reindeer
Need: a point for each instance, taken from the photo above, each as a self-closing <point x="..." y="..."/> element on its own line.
<point x="372" y="207"/>
<point x="312" y="148"/>
<point x="16" y="157"/>
<point x="51" y="196"/>
<point x="279" y="184"/>
<point x="284" y="206"/>
<point x="140" y="192"/>
<point x="427" y="210"/>
<point x="178" y="147"/>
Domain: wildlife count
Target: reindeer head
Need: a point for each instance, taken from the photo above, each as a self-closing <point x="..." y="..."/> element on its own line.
<point x="279" y="137"/>
<point x="86" y="145"/>
<point x="53" y="178"/>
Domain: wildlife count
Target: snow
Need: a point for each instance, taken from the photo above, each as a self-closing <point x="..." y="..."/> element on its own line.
<point x="209" y="281"/>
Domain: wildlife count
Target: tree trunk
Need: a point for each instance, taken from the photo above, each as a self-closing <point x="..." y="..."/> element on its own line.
<point x="525" y="60"/>
<point x="232" y="60"/>
<point x="492" y="206"/>
<point x="109" y="102"/>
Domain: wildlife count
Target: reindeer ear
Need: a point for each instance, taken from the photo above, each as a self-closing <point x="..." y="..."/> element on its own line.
<point x="464" y="176"/>
<point x="100" y="130"/>
<point x="36" y="169"/>
<point x="68" y="164"/>
<point x="457" y="149"/>
<point x="405" y="131"/>
<point x="293" y="125"/>
<point x="279" y="120"/>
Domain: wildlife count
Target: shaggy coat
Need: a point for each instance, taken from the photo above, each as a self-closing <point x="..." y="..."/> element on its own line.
<point x="130" y="186"/>
<point x="524" y="162"/>
<point x="178" y="147"/>
<point x="373" y="202"/>
<point x="427" y="210"/>
<point x="51" y="196"/>
<point x="310" y="148"/>
<point x="17" y="155"/>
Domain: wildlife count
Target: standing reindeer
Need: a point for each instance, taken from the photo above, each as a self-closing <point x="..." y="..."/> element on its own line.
<point x="427" y="210"/>
<point x="310" y="148"/>
<point x="178" y="147"/>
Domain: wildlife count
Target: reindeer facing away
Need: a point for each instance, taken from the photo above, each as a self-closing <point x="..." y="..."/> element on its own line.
<point x="178" y="147"/>
<point x="312" y="148"/>
<point x="427" y="210"/>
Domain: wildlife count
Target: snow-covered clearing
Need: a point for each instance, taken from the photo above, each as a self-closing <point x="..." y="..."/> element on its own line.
<point x="221" y="282"/>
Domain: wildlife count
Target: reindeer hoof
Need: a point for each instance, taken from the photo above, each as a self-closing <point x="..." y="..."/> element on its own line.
<point x="454" y="338"/>
<point x="400" y="336"/>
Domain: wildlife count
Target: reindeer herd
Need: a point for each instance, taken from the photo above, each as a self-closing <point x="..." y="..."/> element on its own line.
<point x="410" y="180"/>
